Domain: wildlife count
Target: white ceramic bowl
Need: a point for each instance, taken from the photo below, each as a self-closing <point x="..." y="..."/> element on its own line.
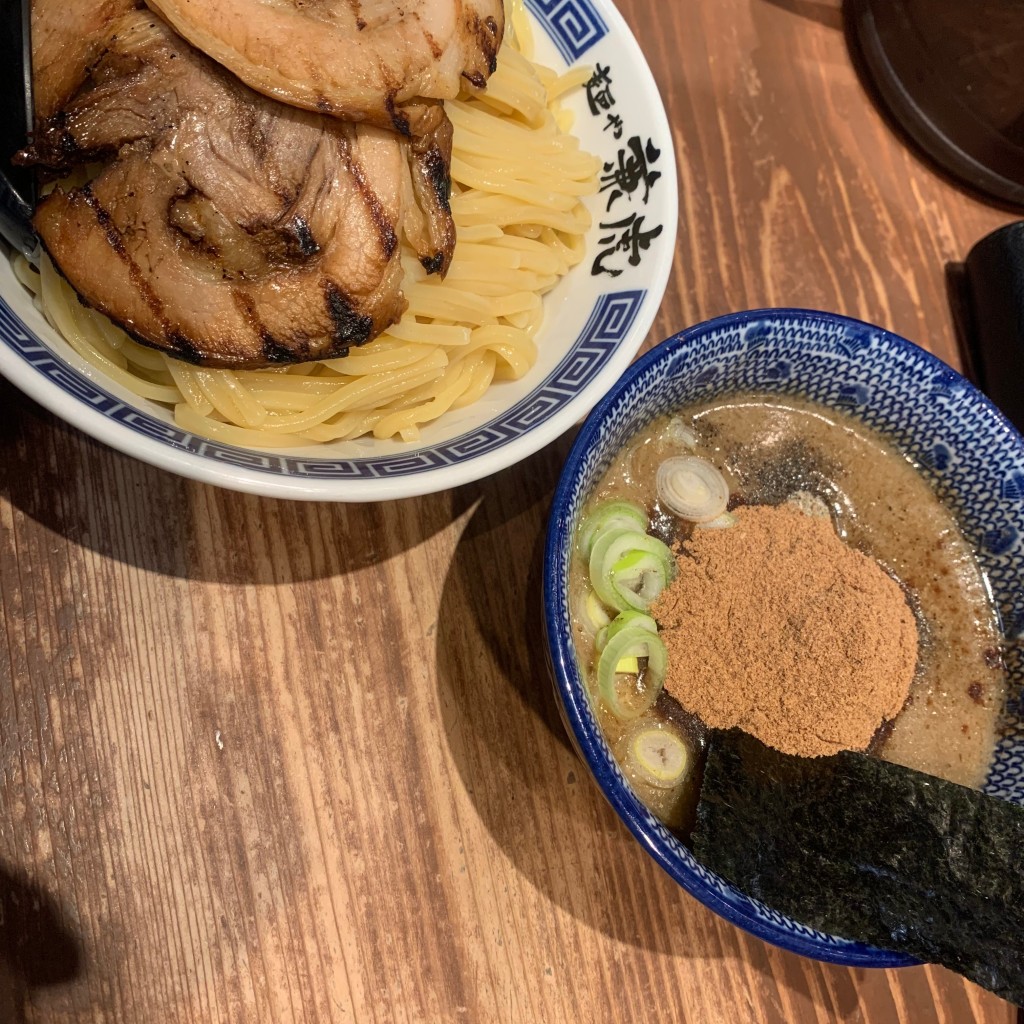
<point x="594" y="323"/>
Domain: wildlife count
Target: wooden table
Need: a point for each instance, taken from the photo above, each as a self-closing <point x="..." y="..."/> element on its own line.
<point x="264" y="761"/>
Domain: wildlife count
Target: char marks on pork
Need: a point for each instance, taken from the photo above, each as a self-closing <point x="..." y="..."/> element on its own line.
<point x="226" y="228"/>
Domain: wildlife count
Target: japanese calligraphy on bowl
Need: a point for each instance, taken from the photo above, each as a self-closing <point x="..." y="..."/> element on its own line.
<point x="594" y="321"/>
<point x="627" y="179"/>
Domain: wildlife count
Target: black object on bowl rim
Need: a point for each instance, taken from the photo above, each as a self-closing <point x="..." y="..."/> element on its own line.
<point x="17" y="184"/>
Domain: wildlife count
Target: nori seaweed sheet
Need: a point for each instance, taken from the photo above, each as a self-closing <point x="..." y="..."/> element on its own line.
<point x="868" y="850"/>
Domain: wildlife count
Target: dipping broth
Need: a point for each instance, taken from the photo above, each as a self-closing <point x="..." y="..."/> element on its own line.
<point x="775" y="450"/>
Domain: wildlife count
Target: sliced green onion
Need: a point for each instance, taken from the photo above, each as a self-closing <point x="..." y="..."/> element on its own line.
<point x="639" y="577"/>
<point x="692" y="488"/>
<point x="627" y="515"/>
<point x="680" y="432"/>
<point x="628" y="666"/>
<point x="628" y="569"/>
<point x="632" y="642"/>
<point x="629" y="619"/>
<point x="592" y="613"/>
<point x="658" y="755"/>
<point x="722" y="522"/>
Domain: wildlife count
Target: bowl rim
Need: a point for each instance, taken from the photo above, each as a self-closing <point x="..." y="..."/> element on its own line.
<point x="572" y="698"/>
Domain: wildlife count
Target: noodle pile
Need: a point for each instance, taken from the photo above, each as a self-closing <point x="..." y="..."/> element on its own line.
<point x="517" y="181"/>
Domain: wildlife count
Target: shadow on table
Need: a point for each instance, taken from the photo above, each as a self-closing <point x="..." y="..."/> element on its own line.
<point x="504" y="730"/>
<point x="36" y="948"/>
<point x="502" y="721"/>
<point x="143" y="516"/>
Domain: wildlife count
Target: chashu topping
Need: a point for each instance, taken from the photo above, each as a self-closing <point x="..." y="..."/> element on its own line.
<point x="362" y="60"/>
<point x="228" y="229"/>
<point x="68" y="37"/>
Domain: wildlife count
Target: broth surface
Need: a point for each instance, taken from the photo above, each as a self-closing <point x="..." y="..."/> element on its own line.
<point x="772" y="448"/>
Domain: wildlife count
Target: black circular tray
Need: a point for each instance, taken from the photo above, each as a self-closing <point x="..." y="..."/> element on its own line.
<point x="951" y="73"/>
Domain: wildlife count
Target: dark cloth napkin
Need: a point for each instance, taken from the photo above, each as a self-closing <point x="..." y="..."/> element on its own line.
<point x="991" y="315"/>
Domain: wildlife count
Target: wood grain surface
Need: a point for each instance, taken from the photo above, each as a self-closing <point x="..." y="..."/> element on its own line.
<point x="264" y="761"/>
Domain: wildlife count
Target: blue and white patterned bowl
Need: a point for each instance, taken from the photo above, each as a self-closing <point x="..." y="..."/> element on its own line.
<point x="595" y="319"/>
<point x="967" y="449"/>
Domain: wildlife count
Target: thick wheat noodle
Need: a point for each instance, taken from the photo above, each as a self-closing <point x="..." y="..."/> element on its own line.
<point x="518" y="179"/>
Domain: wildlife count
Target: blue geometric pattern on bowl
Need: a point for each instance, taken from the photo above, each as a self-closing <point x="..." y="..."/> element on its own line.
<point x="964" y="446"/>
<point x="609" y="322"/>
<point x="572" y="25"/>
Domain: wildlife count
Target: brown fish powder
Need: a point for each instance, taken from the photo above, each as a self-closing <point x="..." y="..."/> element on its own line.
<point x="776" y="626"/>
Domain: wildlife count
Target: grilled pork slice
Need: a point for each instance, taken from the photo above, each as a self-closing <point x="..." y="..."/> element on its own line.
<point x="68" y="37"/>
<point x="227" y="229"/>
<point x="361" y="60"/>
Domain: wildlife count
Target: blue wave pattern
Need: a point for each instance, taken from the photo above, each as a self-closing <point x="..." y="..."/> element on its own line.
<point x="609" y="322"/>
<point x="574" y="26"/>
<point x="927" y="411"/>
